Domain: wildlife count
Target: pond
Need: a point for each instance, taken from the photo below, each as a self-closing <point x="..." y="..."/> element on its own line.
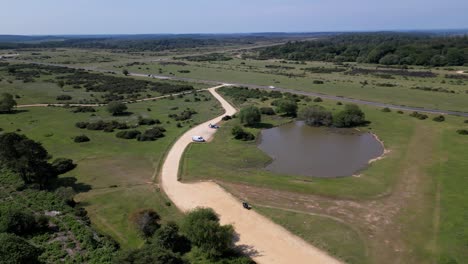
<point x="298" y="149"/>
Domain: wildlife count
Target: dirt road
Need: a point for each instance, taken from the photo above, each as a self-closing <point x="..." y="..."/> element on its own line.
<point x="259" y="237"/>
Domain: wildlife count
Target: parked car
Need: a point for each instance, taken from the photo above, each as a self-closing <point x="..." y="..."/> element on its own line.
<point x="246" y="205"/>
<point x="198" y="139"/>
<point x="213" y="126"/>
<point x="271" y="87"/>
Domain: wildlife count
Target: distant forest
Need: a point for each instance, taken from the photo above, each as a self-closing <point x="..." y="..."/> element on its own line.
<point x="132" y="45"/>
<point x="381" y="48"/>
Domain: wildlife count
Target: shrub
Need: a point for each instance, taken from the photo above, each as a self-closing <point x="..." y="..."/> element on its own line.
<point x="148" y="121"/>
<point x="386" y="110"/>
<point x="419" y="115"/>
<point x="240" y="134"/>
<point x="63" y="165"/>
<point x="286" y="106"/>
<point x="316" y="116"/>
<point x="440" y="118"/>
<point x="318" y="100"/>
<point x="351" y="116"/>
<point x="17" y="221"/>
<point x="84" y="109"/>
<point x="317" y="82"/>
<point x="128" y="134"/>
<point x="64" y="97"/>
<point x="152" y="134"/>
<point x="7" y="103"/>
<point x="226" y="118"/>
<point x="250" y="115"/>
<point x="116" y="108"/>
<point x="462" y="131"/>
<point x="146" y="221"/>
<point x="168" y="237"/>
<point x="339" y="103"/>
<point x="267" y="111"/>
<point x="400" y="112"/>
<point x="81" y="125"/>
<point x="14" y="249"/>
<point x="81" y="138"/>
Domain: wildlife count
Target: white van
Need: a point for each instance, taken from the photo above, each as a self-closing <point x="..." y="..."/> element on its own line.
<point x="198" y="139"/>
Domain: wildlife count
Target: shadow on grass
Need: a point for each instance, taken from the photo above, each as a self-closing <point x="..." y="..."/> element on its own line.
<point x="14" y="112"/>
<point x="124" y="114"/>
<point x="72" y="182"/>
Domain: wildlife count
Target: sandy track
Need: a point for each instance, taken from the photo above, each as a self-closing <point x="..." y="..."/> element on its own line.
<point x="263" y="240"/>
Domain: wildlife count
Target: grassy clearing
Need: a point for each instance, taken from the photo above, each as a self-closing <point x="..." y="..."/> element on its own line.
<point x="114" y="175"/>
<point x="325" y="233"/>
<point x="255" y="72"/>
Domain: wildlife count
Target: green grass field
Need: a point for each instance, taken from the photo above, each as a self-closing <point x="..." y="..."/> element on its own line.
<point x="407" y="205"/>
<point x="255" y="72"/>
<point x="115" y="175"/>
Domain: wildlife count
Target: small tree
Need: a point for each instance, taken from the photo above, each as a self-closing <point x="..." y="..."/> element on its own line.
<point x="116" y="108"/>
<point x="15" y="249"/>
<point x="146" y="221"/>
<point x="125" y="72"/>
<point x="351" y="116"/>
<point x="7" y="103"/>
<point x="250" y="116"/>
<point x="17" y="221"/>
<point x="63" y="165"/>
<point x="204" y="231"/>
<point x="168" y="237"/>
<point x="286" y="106"/>
<point x="316" y="116"/>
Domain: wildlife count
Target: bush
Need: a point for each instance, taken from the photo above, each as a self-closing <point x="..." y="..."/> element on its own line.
<point x="267" y="111"/>
<point x="81" y="125"/>
<point x="386" y="110"/>
<point x="84" y="109"/>
<point x="462" y="131"/>
<point x="226" y="118"/>
<point x="419" y="115"/>
<point x="146" y="221"/>
<point x="318" y="100"/>
<point x="351" y="116"/>
<point x="317" y="82"/>
<point x="286" y="106"/>
<point x="63" y="165"/>
<point x="7" y="103"/>
<point x="168" y="237"/>
<point x="64" y="97"/>
<point x="148" y="121"/>
<point x="316" y="116"/>
<point x="116" y="108"/>
<point x="152" y="134"/>
<point x="17" y="221"/>
<point x="202" y="228"/>
<point x="14" y="249"/>
<point x="128" y="134"/>
<point x="339" y="103"/>
<point x="250" y="115"/>
<point x="240" y="134"/>
<point x="81" y="138"/>
<point x="440" y="118"/>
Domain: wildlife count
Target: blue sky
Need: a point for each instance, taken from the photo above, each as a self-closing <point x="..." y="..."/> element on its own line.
<point x="222" y="16"/>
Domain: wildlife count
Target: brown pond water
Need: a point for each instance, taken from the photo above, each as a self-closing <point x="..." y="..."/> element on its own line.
<point x="298" y="149"/>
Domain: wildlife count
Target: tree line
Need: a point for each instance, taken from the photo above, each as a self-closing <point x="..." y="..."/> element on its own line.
<point x="380" y="48"/>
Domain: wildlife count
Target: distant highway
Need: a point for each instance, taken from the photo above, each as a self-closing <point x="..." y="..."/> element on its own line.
<point x="327" y="96"/>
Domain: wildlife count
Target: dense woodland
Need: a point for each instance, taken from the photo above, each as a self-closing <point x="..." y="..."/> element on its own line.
<point x="130" y="45"/>
<point x="381" y="48"/>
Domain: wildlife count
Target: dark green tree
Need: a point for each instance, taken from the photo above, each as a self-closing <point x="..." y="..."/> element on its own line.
<point x="116" y="108"/>
<point x="125" y="72"/>
<point x="16" y="221"/>
<point x="16" y="250"/>
<point x="316" y="116"/>
<point x="286" y="106"/>
<point x="7" y="103"/>
<point x="27" y="158"/>
<point x="250" y="115"/>
<point x="168" y="237"/>
<point x="202" y="228"/>
<point x="351" y="116"/>
<point x="146" y="222"/>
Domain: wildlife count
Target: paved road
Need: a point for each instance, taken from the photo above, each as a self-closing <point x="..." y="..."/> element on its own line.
<point x="331" y="97"/>
<point x="265" y="241"/>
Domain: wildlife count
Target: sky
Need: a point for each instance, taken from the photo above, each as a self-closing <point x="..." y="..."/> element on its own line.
<point x="47" y="17"/>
